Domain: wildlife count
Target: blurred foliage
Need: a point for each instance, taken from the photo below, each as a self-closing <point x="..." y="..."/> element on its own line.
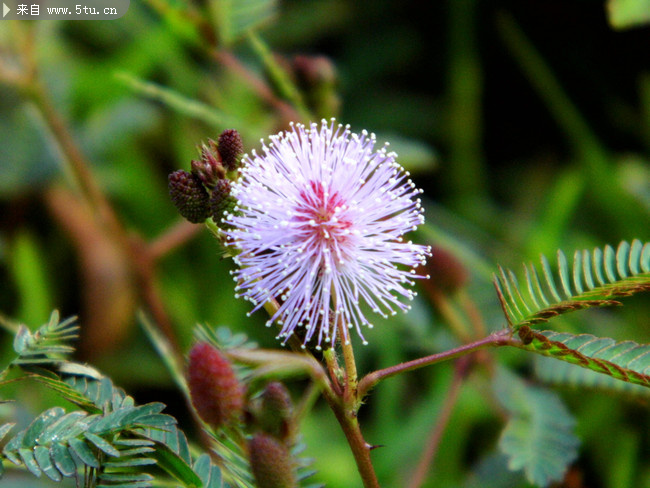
<point x="527" y="124"/>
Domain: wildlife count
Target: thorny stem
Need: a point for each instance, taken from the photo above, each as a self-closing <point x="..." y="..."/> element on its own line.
<point x="347" y="419"/>
<point x="344" y="404"/>
<point x="499" y="338"/>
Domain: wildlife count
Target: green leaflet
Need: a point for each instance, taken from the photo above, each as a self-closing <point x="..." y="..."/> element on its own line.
<point x="47" y="344"/>
<point x="109" y="437"/>
<point x="561" y="373"/>
<point x="596" y="279"/>
<point x="627" y="361"/>
<point x="209" y="473"/>
<point x="538" y="437"/>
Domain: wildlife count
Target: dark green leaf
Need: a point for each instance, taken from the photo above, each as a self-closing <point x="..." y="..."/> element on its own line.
<point x="156" y="421"/>
<point x="129" y="462"/>
<point x="40" y="423"/>
<point x="173" y="464"/>
<point x="102" y="444"/>
<point x="208" y="472"/>
<point x="29" y="461"/>
<point x="63" y="460"/>
<point x="125" y="477"/>
<point x="4" y="430"/>
<point x="125" y="484"/>
<point x="42" y="456"/>
<point x="11" y="448"/>
<point x="84" y="453"/>
<point x="70" y="425"/>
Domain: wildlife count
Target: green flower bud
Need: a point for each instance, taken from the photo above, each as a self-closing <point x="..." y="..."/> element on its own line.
<point x="271" y="462"/>
<point x="276" y="409"/>
<point x="189" y="196"/>
<point x="216" y="394"/>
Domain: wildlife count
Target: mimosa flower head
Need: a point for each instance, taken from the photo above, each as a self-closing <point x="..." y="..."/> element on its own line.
<point x="319" y="226"/>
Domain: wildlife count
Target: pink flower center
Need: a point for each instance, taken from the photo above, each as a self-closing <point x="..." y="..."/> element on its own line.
<point x="323" y="214"/>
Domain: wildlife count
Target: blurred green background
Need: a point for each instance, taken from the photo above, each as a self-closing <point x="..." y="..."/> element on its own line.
<point x="526" y="123"/>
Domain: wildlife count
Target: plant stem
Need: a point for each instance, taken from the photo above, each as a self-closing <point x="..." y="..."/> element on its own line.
<point x="350" y="390"/>
<point x="499" y="338"/>
<point x="347" y="419"/>
<point x="442" y="420"/>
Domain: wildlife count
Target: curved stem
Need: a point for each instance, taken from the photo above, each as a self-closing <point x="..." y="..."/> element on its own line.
<point x="499" y="338"/>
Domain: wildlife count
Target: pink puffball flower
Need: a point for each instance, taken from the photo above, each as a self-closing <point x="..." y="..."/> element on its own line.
<point x="319" y="227"/>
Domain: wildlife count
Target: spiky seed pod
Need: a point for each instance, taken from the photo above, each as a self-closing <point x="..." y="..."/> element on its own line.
<point x="221" y="202"/>
<point x="276" y="411"/>
<point x="189" y="196"/>
<point x="209" y="168"/>
<point x="270" y="462"/>
<point x="216" y="393"/>
<point x="231" y="148"/>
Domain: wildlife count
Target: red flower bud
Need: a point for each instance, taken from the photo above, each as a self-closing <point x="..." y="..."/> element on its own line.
<point x="221" y="202"/>
<point x="209" y="169"/>
<point x="189" y="196"/>
<point x="230" y="148"/>
<point x="271" y="462"/>
<point x="216" y="394"/>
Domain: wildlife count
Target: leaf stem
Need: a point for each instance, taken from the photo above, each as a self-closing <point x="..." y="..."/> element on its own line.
<point x="499" y="338"/>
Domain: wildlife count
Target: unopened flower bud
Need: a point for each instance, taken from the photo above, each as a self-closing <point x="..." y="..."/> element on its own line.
<point x="216" y="394"/>
<point x="276" y="411"/>
<point x="317" y="77"/>
<point x="189" y="196"/>
<point x="446" y="271"/>
<point x="221" y="202"/>
<point x="314" y="70"/>
<point x="209" y="168"/>
<point x="231" y="149"/>
<point x="270" y="462"/>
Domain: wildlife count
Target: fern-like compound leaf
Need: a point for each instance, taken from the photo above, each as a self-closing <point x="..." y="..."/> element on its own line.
<point x="538" y="437"/>
<point x="627" y="361"/>
<point x="562" y="373"/>
<point x="209" y="473"/>
<point x="594" y="279"/>
<point x="48" y="344"/>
